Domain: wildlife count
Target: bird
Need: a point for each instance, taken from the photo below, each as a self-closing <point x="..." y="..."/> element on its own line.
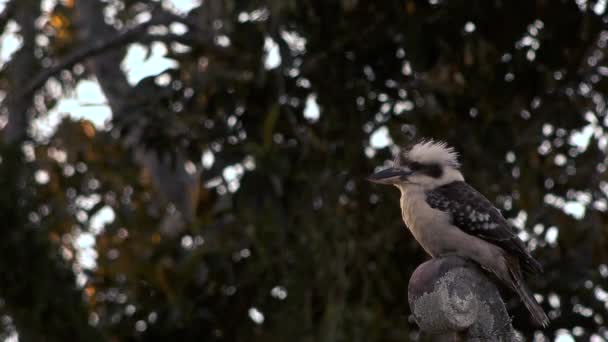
<point x="448" y="217"/>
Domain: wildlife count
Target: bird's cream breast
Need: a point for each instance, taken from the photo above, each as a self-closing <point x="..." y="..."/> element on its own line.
<point x="418" y="216"/>
<point x="416" y="211"/>
<point x="411" y="208"/>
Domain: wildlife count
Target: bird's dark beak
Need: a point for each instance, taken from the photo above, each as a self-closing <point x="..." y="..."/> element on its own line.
<point x="388" y="176"/>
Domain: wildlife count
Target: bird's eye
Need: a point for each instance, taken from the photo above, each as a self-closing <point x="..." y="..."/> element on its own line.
<point x="434" y="171"/>
<point x="415" y="166"/>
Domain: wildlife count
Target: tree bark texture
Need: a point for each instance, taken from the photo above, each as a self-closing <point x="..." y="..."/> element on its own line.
<point x="50" y="309"/>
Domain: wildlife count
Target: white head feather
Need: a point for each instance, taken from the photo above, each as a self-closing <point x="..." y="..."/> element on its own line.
<point x="430" y="151"/>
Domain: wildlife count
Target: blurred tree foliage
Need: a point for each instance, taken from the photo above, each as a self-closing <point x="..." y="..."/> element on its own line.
<point x="234" y="212"/>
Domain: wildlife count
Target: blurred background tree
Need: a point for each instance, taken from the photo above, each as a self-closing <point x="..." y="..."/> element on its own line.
<point x="224" y="198"/>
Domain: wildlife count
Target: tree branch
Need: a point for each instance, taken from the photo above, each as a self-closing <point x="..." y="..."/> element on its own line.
<point x="7" y="13"/>
<point x="93" y="49"/>
<point x="20" y="68"/>
<point x="137" y="33"/>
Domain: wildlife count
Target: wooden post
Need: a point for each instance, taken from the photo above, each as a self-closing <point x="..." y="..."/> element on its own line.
<point x="453" y="300"/>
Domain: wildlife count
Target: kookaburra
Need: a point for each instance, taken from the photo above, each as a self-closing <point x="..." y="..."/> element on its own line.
<point x="448" y="217"/>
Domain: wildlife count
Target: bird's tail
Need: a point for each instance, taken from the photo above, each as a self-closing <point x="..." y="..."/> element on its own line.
<point x="537" y="312"/>
<point x="531" y="266"/>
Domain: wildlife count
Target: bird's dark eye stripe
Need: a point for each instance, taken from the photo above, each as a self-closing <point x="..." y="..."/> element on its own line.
<point x="433" y="170"/>
<point x="414" y="166"/>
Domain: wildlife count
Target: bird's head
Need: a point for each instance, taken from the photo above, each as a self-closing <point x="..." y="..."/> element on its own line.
<point x="428" y="164"/>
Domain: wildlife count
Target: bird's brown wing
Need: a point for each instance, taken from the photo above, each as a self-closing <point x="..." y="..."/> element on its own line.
<point x="474" y="214"/>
